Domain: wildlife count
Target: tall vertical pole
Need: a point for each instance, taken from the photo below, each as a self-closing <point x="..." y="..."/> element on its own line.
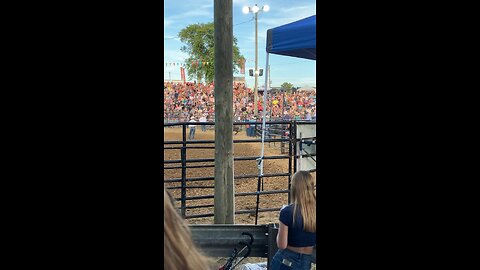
<point x="224" y="201"/>
<point x="255" y="99"/>
<point x="269" y="77"/>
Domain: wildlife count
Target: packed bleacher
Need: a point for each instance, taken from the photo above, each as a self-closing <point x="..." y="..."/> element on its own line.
<point x="184" y="100"/>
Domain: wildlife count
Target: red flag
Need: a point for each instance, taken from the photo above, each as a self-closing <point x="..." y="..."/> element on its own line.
<point x="182" y="74"/>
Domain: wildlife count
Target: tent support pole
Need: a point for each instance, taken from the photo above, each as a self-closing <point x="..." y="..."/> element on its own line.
<point x="260" y="160"/>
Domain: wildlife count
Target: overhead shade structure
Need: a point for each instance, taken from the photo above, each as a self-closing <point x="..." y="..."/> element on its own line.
<point x="296" y="39"/>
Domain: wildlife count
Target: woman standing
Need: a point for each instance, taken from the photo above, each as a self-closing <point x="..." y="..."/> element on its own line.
<point x="297" y="231"/>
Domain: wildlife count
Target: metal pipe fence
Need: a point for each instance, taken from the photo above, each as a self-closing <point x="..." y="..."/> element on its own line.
<point x="283" y="132"/>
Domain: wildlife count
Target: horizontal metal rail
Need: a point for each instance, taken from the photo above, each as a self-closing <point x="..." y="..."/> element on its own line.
<point x="194" y="166"/>
<point x="234" y="123"/>
<point x="234" y="141"/>
<point x="238" y="212"/>
<point x="212" y="159"/>
<point x="191" y="187"/>
<point x="188" y="147"/>
<point x="236" y="194"/>
<point x="173" y="180"/>
<point x="200" y="206"/>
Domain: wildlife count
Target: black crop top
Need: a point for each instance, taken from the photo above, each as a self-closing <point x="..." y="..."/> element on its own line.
<point x="297" y="237"/>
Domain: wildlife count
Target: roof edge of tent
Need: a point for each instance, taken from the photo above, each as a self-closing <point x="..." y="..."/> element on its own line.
<point x="270" y="39"/>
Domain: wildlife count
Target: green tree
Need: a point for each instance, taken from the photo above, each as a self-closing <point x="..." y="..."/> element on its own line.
<point x="200" y="41"/>
<point x="287" y="86"/>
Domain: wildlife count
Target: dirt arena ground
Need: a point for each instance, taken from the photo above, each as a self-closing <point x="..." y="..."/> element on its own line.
<point x="240" y="168"/>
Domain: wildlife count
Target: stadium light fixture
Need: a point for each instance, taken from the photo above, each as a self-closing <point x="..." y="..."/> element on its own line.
<point x="255" y="10"/>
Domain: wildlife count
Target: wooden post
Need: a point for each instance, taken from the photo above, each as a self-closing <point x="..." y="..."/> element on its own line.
<point x="224" y="189"/>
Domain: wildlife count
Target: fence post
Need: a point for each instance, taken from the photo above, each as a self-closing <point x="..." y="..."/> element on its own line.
<point x="294" y="140"/>
<point x="292" y="130"/>
<point x="183" y="157"/>
<point x="224" y="199"/>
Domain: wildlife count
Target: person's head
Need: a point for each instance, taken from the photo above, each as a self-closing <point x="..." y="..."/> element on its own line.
<point x="304" y="198"/>
<point x="179" y="252"/>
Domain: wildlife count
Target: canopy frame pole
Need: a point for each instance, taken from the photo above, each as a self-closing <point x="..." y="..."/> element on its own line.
<point x="260" y="160"/>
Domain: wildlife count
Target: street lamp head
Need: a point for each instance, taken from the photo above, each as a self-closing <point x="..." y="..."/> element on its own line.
<point x="255" y="9"/>
<point x="246" y="9"/>
<point x="266" y="8"/>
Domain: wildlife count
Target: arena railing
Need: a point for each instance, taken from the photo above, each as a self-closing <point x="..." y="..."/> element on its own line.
<point x="183" y="164"/>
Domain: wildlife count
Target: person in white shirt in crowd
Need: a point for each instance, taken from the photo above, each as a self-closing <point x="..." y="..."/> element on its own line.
<point x="203" y="119"/>
<point x="192" y="127"/>
<point x="308" y="116"/>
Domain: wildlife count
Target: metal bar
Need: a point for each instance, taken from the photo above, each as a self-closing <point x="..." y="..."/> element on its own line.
<point x="238" y="212"/>
<point x="197" y="166"/>
<point x="258" y="196"/>
<point x="259" y="210"/>
<point x="265" y="175"/>
<point x="236" y="123"/>
<point x="212" y="159"/>
<point x="261" y="192"/>
<point x="290" y="159"/>
<point x="173" y="180"/>
<point x="295" y="146"/>
<point x="200" y="206"/>
<point x="191" y="187"/>
<point x="235" y="141"/>
<point x="236" y="195"/>
<point x="189" y="147"/>
<point x="301" y="148"/>
<point x="184" y="177"/>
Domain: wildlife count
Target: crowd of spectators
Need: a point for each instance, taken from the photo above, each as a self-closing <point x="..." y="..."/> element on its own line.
<point x="182" y="101"/>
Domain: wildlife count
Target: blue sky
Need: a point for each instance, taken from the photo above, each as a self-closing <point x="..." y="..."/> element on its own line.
<point x="299" y="72"/>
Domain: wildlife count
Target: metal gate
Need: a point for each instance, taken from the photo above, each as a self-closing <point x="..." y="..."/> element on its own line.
<point x="278" y="132"/>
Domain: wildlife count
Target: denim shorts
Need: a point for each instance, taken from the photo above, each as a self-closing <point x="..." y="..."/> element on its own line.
<point x="286" y="259"/>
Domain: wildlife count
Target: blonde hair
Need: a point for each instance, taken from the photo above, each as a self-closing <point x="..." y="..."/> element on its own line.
<point x="304" y="199"/>
<point x="179" y="252"/>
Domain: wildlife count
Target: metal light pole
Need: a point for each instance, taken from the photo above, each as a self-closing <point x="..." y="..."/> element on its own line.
<point x="255" y="10"/>
<point x="255" y="93"/>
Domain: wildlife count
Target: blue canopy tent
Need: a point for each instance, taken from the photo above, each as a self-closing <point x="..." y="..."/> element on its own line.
<point x="296" y="39"/>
